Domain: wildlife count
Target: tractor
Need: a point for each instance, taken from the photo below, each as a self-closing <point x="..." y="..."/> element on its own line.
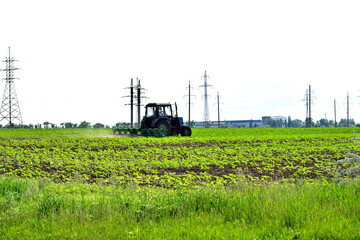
<point x="160" y="116"/>
<point x="159" y="121"/>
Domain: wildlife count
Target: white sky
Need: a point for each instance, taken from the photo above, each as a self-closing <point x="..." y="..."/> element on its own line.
<point x="76" y="57"/>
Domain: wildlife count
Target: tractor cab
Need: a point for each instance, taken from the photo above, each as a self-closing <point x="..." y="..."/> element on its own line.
<point x="154" y="110"/>
<point x="160" y="116"/>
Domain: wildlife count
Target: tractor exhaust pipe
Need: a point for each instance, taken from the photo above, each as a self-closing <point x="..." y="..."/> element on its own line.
<point x="176" y="113"/>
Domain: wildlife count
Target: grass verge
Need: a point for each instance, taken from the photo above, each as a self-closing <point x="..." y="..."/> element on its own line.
<point x="40" y="209"/>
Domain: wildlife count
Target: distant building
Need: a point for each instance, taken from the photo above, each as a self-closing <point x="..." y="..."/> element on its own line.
<point x="242" y="123"/>
<point x="231" y="123"/>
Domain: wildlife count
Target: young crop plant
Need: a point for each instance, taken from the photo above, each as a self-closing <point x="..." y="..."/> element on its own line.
<point x="210" y="157"/>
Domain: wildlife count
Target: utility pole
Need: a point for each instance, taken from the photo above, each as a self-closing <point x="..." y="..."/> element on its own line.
<point x="307" y="103"/>
<point x="218" y="108"/>
<point x="218" y="105"/>
<point x="189" y="96"/>
<point x="131" y="103"/>
<point x="189" y="103"/>
<point x="348" y="119"/>
<point x="138" y="95"/>
<point x="140" y="92"/>
<point x="139" y="101"/>
<point x="308" y="99"/>
<point x="335" y="110"/>
<point x="309" y="125"/>
<point x="10" y="109"/>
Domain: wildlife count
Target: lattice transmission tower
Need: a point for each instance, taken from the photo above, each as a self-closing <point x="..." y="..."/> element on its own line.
<point x="206" y="102"/>
<point x="10" y="109"/>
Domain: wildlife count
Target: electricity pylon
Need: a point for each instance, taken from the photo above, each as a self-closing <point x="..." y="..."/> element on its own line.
<point x="10" y="109"/>
<point x="206" y="103"/>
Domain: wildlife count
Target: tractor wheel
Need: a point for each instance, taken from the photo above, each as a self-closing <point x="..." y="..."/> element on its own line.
<point x="165" y="126"/>
<point x="185" y="131"/>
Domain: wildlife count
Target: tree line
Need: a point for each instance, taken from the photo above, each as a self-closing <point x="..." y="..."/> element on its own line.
<point x="319" y="123"/>
<point x="83" y="124"/>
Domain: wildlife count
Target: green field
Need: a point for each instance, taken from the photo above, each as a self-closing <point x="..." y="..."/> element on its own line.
<point x="211" y="157"/>
<point x="220" y="184"/>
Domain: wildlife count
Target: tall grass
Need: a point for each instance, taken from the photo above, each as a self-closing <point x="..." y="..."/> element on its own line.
<point x="44" y="210"/>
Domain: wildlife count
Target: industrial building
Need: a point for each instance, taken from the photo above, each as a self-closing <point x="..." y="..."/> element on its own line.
<point x="231" y="123"/>
<point x="241" y="123"/>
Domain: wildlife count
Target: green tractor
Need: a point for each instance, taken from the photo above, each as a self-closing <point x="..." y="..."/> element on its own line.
<point x="160" y="121"/>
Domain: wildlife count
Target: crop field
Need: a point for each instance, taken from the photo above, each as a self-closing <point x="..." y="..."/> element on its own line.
<point x="217" y="184"/>
<point x="210" y="157"/>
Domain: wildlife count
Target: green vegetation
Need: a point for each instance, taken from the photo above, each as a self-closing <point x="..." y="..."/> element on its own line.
<point x="212" y="157"/>
<point x="44" y="210"/>
<point x="218" y="184"/>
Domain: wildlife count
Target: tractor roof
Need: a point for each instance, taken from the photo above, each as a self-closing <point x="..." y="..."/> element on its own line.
<point x="157" y="104"/>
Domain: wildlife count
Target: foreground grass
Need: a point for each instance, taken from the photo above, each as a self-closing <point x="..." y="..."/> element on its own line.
<point x="40" y="209"/>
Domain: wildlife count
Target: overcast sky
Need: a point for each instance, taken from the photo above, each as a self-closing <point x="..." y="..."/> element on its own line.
<point x="77" y="57"/>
